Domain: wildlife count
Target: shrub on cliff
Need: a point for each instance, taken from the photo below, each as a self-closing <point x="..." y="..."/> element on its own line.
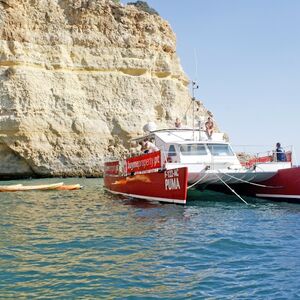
<point x="142" y="5"/>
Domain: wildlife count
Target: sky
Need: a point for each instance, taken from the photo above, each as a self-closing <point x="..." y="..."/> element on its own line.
<point x="245" y="57"/>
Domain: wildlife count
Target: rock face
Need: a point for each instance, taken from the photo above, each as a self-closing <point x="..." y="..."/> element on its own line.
<point x="78" y="78"/>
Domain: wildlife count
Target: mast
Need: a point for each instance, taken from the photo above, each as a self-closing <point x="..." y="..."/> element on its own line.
<point x="194" y="87"/>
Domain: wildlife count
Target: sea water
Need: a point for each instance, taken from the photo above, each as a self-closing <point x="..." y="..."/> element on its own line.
<point x="88" y="244"/>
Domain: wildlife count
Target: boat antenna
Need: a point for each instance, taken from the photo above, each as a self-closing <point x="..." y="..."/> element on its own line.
<point x="195" y="86"/>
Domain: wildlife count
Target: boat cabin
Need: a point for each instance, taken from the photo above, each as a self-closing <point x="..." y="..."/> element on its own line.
<point x="190" y="147"/>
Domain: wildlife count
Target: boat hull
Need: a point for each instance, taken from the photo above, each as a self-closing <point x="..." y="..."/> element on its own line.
<point x="165" y="186"/>
<point x="283" y="186"/>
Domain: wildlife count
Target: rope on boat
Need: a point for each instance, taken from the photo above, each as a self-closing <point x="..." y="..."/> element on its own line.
<point x="231" y="189"/>
<point x="251" y="183"/>
<point x="198" y="181"/>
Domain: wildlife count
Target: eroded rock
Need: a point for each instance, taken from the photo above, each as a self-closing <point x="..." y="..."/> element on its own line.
<point x="76" y="74"/>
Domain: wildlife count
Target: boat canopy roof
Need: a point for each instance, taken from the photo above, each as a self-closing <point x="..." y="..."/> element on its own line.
<point x="182" y="135"/>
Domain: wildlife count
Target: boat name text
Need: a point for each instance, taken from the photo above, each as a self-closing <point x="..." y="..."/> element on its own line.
<point x="172" y="180"/>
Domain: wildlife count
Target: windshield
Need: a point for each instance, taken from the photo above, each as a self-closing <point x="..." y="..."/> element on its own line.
<point x="193" y="149"/>
<point x="220" y="150"/>
<point x="172" y="151"/>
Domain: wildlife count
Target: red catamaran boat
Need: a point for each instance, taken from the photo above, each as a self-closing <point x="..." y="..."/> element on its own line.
<point x="188" y="159"/>
<point x="144" y="177"/>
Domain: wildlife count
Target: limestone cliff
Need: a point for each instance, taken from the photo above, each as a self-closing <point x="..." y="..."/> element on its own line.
<point x="77" y="79"/>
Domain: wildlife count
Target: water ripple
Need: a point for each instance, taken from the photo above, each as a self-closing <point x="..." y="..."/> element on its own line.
<point x="88" y="244"/>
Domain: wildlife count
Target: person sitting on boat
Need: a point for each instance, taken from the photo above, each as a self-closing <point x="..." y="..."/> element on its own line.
<point x="177" y="123"/>
<point x="280" y="154"/>
<point x="209" y="127"/>
<point x="147" y="146"/>
<point x="143" y="146"/>
<point x="150" y="147"/>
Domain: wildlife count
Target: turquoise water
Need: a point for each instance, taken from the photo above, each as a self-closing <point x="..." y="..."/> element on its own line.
<point x="88" y="244"/>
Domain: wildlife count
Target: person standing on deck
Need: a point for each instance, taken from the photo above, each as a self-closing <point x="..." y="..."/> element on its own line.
<point x="280" y="155"/>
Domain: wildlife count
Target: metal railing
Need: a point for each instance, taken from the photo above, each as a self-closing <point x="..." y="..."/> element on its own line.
<point x="248" y="156"/>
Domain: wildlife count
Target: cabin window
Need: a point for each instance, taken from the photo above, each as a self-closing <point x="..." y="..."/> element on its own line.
<point x="193" y="149"/>
<point x="172" y="151"/>
<point x="220" y="150"/>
